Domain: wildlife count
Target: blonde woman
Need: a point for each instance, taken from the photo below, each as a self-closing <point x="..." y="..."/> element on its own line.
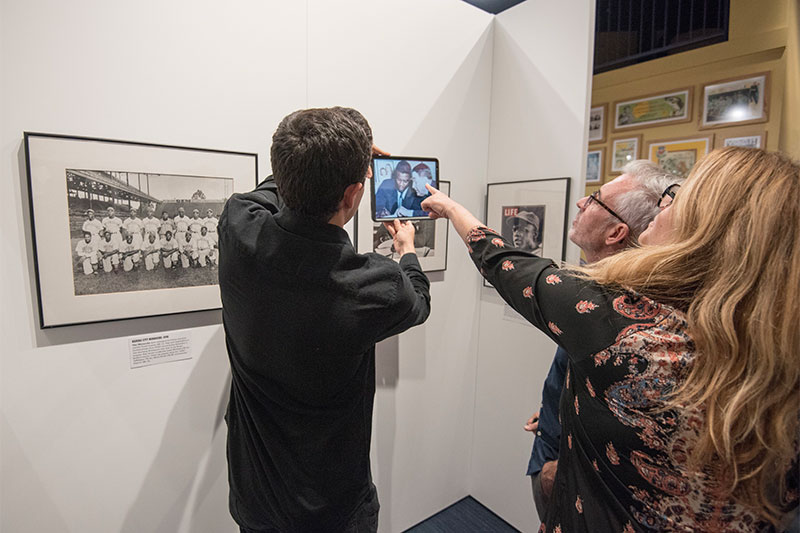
<point x="681" y="401"/>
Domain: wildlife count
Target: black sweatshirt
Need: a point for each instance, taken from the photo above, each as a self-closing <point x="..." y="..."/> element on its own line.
<point x="302" y="312"/>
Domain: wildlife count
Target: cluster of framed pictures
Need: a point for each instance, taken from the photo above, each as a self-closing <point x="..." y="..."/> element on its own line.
<point x="531" y="214"/>
<point x="725" y="103"/>
<point x="128" y="229"/>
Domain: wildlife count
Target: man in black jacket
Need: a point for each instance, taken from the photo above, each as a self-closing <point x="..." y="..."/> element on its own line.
<point x="302" y="312"/>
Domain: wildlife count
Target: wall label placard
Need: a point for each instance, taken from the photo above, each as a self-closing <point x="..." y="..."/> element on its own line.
<point x="160" y="348"/>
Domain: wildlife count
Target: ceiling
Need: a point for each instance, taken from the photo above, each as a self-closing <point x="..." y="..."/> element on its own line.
<point x="494" y="6"/>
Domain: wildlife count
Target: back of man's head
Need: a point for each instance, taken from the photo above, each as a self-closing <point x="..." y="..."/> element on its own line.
<point x="639" y="205"/>
<point x="316" y="154"/>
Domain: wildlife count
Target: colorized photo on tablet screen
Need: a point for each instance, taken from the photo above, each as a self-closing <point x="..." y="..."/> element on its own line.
<point x="398" y="186"/>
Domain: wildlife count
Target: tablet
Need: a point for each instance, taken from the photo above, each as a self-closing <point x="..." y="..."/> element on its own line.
<point x="398" y="186"/>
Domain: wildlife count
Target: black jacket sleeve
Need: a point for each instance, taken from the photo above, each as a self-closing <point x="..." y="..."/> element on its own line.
<point x="267" y="190"/>
<point x="244" y="211"/>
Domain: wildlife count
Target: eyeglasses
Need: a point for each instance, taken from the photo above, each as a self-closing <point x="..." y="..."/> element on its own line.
<point x="668" y="195"/>
<point x="595" y="197"/>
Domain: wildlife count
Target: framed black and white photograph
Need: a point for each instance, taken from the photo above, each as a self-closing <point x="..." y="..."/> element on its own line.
<point x="597" y="124"/>
<point x="594" y="165"/>
<point x="430" y="239"/>
<point x="523" y="226"/>
<point x="532" y="215"/>
<point x="127" y="229"/>
<point x="736" y="101"/>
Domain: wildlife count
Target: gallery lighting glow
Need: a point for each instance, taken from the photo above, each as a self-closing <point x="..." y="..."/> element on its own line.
<point x="738" y="112"/>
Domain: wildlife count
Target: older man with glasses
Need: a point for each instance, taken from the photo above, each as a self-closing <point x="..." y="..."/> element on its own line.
<point x="608" y="221"/>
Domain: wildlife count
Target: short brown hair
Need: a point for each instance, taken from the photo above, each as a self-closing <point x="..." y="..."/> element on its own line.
<point x="316" y="154"/>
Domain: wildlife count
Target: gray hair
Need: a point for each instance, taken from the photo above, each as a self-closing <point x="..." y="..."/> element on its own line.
<point x="639" y="206"/>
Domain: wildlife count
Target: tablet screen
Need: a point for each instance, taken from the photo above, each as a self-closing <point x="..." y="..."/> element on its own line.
<point x="398" y="186"/>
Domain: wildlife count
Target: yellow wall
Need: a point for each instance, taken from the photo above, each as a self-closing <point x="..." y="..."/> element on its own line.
<point x="761" y="38"/>
<point x="790" y="129"/>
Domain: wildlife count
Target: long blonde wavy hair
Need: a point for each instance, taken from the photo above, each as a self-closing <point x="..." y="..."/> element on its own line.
<point x="733" y="265"/>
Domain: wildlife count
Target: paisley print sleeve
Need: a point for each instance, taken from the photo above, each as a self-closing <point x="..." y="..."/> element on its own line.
<point x="571" y="311"/>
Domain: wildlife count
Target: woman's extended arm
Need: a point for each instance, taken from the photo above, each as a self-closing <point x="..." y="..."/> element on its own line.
<point x="573" y="312"/>
<point x="442" y="206"/>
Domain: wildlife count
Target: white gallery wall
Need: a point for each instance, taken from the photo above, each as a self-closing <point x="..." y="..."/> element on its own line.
<point x="540" y="91"/>
<point x="89" y="445"/>
<point x="421" y="73"/>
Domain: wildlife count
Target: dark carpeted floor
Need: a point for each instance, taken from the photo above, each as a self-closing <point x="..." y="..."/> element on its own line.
<point x="464" y="516"/>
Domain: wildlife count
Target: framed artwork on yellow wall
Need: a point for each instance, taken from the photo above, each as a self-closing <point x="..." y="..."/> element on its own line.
<point x="654" y="110"/>
<point x="594" y="165"/>
<point x="736" y="101"/>
<point x="597" y="124"/>
<point x="748" y="137"/>
<point x="623" y="151"/>
<point x="678" y="156"/>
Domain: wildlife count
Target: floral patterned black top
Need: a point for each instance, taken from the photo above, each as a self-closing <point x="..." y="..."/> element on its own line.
<point x="622" y="459"/>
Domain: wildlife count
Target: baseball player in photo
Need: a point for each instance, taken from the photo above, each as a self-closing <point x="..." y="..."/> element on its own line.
<point x="93" y="226"/>
<point x="87" y="253"/>
<point x="109" y="252"/>
<point x="525" y="231"/>
<point x="181" y="222"/>
<point x="134" y="226"/>
<point x="151" y="251"/>
<point x="112" y="224"/>
<point x="170" y="251"/>
<point x="129" y="253"/>
<point x="167" y="225"/>
<point x="211" y="222"/>
<point x="204" y="248"/>
<point x="188" y="251"/>
<point x="151" y="223"/>
<point x="195" y="223"/>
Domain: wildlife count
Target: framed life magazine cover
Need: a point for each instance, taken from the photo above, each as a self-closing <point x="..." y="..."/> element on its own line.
<point x="430" y="239"/>
<point x="127" y="229"/>
<point x="532" y="215"/>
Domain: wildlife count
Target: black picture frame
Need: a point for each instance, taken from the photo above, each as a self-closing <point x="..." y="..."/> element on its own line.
<point x="546" y="199"/>
<point x="67" y="172"/>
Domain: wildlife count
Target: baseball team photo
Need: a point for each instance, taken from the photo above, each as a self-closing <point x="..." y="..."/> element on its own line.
<point x="134" y="231"/>
<point x="127" y="229"/>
